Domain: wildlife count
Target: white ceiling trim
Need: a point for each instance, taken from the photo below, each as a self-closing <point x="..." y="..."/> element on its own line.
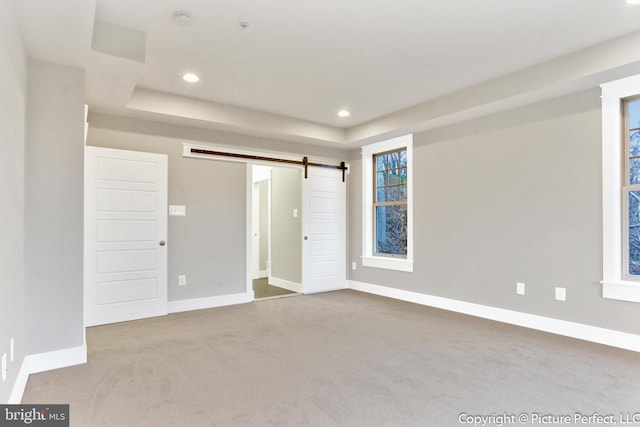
<point x="232" y="117"/>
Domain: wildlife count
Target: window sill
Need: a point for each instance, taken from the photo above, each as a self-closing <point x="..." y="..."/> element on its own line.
<point x="398" y="264"/>
<point x="623" y="290"/>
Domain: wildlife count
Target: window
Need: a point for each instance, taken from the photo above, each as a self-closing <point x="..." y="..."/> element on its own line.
<point x="387" y="196"/>
<point x="621" y="189"/>
<point x="390" y="203"/>
<point x="631" y="189"/>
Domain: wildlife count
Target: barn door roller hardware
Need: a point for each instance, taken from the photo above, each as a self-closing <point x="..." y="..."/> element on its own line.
<point x="305" y="160"/>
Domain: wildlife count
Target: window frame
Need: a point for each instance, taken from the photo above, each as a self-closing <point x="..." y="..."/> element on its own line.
<point x="627" y="187"/>
<point x="369" y="257"/>
<point x="376" y="203"/>
<point x="616" y="283"/>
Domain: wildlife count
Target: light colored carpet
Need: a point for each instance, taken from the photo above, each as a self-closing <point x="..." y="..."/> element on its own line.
<point x="336" y="359"/>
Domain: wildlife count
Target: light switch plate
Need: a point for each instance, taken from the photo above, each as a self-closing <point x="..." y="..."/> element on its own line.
<point x="561" y="294"/>
<point x="177" y="210"/>
<point x="520" y="287"/>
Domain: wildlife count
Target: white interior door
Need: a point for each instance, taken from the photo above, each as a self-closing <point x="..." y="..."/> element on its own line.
<point x="324" y="231"/>
<point x="125" y="235"/>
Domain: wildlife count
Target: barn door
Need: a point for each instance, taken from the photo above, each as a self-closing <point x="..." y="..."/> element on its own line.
<point x="324" y="231"/>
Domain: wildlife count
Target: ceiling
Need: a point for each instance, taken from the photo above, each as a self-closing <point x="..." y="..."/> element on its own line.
<point x="396" y="66"/>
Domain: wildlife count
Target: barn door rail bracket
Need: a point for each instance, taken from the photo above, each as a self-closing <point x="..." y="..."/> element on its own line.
<point x="304" y="162"/>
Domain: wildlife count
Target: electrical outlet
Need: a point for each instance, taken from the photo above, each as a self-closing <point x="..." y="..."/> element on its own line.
<point x="182" y="280"/>
<point x="520" y="288"/>
<point x="561" y="294"/>
<point x="354" y="265"/>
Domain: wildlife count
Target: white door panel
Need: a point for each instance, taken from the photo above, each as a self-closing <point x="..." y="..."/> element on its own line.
<point x="323" y="248"/>
<point x="125" y="223"/>
<point x="123" y="231"/>
<point x="324" y="228"/>
<point x="325" y="205"/>
<point x="126" y="261"/>
<point x="127" y="291"/>
<point x="126" y="170"/>
<point x="127" y="200"/>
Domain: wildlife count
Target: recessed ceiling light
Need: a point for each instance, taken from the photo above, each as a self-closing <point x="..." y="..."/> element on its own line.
<point x="191" y="78"/>
<point x="344" y="113"/>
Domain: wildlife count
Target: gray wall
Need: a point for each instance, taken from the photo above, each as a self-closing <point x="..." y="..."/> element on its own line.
<point x="286" y="231"/>
<point x="264" y="224"/>
<point x="511" y="197"/>
<point x="54" y="165"/>
<point x="208" y="244"/>
<point x="13" y="90"/>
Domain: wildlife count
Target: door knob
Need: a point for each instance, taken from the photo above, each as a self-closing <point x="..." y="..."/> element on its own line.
<point x="306" y="238"/>
<point x="162" y="243"/>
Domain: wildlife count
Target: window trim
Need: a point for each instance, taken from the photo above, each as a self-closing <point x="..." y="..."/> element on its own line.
<point x="369" y="259"/>
<point x="614" y="283"/>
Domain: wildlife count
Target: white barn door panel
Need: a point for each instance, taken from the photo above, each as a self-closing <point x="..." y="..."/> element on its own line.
<point x="324" y="231"/>
<point x="125" y="235"/>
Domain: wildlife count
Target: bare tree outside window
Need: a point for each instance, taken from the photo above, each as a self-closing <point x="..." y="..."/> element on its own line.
<point x="390" y="203"/>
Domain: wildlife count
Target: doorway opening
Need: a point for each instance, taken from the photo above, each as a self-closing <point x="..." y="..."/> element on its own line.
<point x="276" y="232"/>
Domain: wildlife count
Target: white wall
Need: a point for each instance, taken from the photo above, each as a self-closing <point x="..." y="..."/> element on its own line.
<point x="13" y="90"/>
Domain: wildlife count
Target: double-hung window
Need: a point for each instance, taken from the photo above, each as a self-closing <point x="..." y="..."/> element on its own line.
<point x="621" y="189"/>
<point x="387" y="200"/>
<point x="631" y="189"/>
<point x="390" y="203"/>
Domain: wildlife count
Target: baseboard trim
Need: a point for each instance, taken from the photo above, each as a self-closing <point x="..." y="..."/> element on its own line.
<point x="34" y="363"/>
<point x="208" y="302"/>
<point x="581" y="331"/>
<point x="19" y="386"/>
<point x="55" y="359"/>
<point x="281" y="283"/>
